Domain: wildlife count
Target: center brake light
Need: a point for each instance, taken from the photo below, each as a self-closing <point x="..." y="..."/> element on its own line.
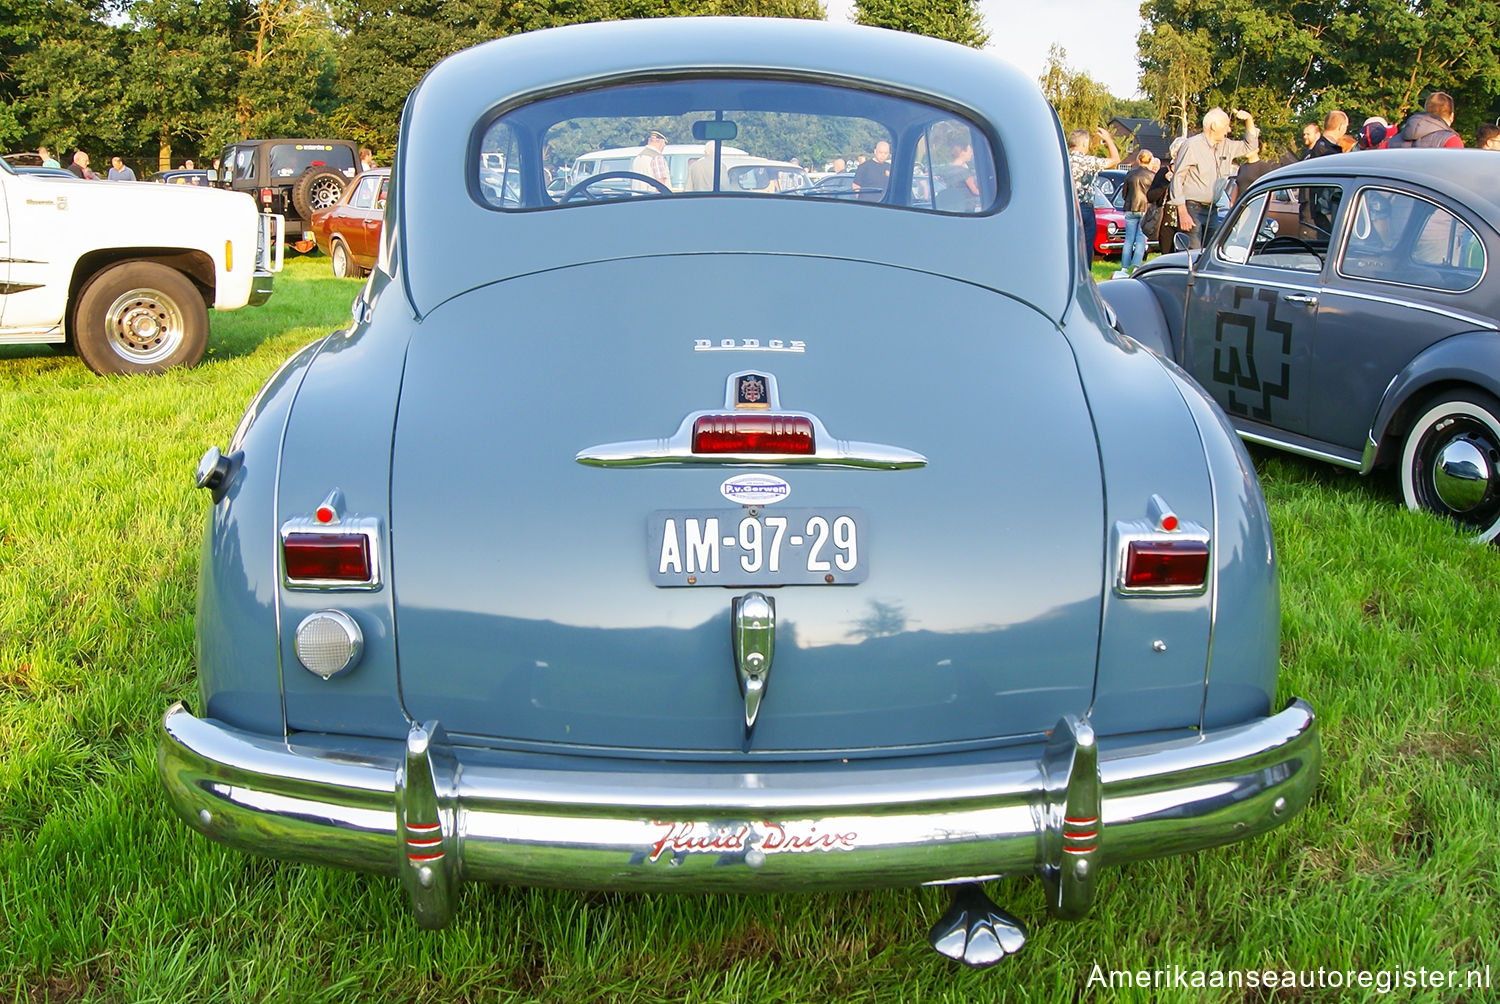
<point x="761" y="433"/>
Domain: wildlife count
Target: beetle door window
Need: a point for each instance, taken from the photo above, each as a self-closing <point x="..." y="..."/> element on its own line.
<point x="1400" y="238"/>
<point x="1240" y="238"/>
<point x="734" y="137"/>
<point x="1278" y="239"/>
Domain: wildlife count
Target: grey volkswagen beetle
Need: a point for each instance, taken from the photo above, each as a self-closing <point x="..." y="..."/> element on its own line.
<point x="897" y="565"/>
<point x="1345" y="311"/>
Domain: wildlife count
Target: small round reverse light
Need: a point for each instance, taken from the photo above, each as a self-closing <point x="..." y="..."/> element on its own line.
<point x="328" y="642"/>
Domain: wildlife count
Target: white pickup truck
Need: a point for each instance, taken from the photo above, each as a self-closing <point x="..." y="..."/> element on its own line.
<point x="124" y="272"/>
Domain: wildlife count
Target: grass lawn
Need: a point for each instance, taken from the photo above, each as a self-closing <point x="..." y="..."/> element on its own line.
<point x="1391" y="628"/>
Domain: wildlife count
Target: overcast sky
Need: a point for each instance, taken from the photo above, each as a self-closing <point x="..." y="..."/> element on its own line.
<point x="1099" y="35"/>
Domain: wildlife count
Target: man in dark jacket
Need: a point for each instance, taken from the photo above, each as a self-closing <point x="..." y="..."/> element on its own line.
<point x="1430" y="127"/>
<point x="1335" y="125"/>
<point x="1137" y="184"/>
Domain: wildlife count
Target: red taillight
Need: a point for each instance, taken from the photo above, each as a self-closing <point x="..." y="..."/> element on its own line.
<point x="1180" y="563"/>
<point x="265" y="196"/>
<point x="753" y="434"/>
<point x="342" y="557"/>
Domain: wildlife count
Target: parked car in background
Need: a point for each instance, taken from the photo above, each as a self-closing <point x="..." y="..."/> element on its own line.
<point x="293" y="178"/>
<point x="125" y="274"/>
<point x="617" y="159"/>
<point x="1346" y="311"/>
<point x="1109" y="226"/>
<point x="46" y="172"/>
<point x="800" y="595"/>
<point x="1109" y="237"/>
<point x="185" y="176"/>
<point x="349" y="233"/>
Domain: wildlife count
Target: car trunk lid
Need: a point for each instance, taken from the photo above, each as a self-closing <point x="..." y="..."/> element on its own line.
<point x="535" y="599"/>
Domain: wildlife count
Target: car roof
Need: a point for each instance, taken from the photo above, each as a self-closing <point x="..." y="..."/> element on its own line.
<point x="463" y="93"/>
<point x="1466" y="176"/>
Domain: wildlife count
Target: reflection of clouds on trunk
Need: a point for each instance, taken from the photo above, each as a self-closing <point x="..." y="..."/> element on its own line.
<point x="884" y="620"/>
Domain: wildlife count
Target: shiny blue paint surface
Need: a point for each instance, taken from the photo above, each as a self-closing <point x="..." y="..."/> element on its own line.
<point x="515" y="605"/>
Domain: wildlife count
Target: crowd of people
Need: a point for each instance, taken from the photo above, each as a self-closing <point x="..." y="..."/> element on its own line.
<point x="1180" y="192"/>
<point x="120" y="171"/>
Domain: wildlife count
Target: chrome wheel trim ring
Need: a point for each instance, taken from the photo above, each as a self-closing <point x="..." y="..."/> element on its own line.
<point x="1444" y="435"/>
<point x="340" y="260"/>
<point x="144" y="326"/>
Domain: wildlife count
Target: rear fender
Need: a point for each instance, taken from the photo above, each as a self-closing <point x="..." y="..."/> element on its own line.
<point x="1470" y="359"/>
<point x="237" y="574"/>
<point x="1139" y="314"/>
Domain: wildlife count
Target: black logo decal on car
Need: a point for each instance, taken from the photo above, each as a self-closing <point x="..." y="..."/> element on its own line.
<point x="1235" y="355"/>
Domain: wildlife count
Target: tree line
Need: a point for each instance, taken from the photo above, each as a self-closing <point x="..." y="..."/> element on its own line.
<point x="157" y="81"/>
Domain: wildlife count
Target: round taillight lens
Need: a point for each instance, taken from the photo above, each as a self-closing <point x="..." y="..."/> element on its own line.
<point x="328" y="642"/>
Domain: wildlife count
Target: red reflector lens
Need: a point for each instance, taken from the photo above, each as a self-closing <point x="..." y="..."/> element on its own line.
<point x="265" y="195"/>
<point x="340" y="556"/>
<point x="753" y="434"/>
<point x="1166" y="563"/>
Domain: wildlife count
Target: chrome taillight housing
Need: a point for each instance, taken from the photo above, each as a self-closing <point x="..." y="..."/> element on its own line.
<point x="1162" y="555"/>
<point x="330" y="551"/>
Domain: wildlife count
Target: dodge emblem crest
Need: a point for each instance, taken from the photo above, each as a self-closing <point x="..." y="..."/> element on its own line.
<point x="750" y="391"/>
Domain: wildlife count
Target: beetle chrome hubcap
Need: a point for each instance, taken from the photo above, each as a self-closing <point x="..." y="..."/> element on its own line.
<point x="1461" y="475"/>
<point x="1455" y="470"/>
<point x="144" y="326"/>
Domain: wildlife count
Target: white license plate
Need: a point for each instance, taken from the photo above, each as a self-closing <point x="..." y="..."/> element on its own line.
<point x="774" y="547"/>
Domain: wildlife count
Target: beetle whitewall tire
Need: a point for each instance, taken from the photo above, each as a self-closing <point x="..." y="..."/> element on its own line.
<point x="1450" y="462"/>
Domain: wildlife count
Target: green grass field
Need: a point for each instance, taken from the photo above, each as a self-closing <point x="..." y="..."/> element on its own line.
<point x="1391" y="628"/>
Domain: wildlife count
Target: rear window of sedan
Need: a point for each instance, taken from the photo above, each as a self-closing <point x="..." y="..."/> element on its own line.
<point x="735" y="137"/>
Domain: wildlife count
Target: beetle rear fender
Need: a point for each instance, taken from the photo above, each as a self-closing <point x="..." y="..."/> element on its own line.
<point x="1138" y="314"/>
<point x="1471" y="359"/>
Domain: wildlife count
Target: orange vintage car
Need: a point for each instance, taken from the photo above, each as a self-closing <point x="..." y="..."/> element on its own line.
<point x="349" y="233"/>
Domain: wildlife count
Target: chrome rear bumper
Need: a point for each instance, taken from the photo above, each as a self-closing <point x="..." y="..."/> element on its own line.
<point x="415" y="813"/>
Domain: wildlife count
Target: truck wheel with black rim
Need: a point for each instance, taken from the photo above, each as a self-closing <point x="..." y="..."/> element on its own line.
<point x="316" y="189"/>
<point x="139" y="317"/>
<point x="1450" y="462"/>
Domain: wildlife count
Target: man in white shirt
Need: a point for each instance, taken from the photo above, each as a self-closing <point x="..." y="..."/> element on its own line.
<point x="1203" y="167"/>
<point x="652" y="163"/>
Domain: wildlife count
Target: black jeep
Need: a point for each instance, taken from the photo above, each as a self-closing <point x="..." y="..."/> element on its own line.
<point x="293" y="177"/>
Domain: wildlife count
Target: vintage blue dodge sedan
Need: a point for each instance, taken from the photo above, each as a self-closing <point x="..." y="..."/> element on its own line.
<point x="729" y="536"/>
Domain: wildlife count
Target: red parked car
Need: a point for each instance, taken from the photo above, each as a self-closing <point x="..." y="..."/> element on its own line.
<point x="349" y="233"/>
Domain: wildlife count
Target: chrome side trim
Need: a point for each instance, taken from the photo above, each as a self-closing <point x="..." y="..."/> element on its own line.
<point x="807" y="827"/>
<point x="1276" y="278"/>
<point x="1302" y="451"/>
<point x="1367" y="459"/>
<point x="26" y="336"/>
<point x="678" y="449"/>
